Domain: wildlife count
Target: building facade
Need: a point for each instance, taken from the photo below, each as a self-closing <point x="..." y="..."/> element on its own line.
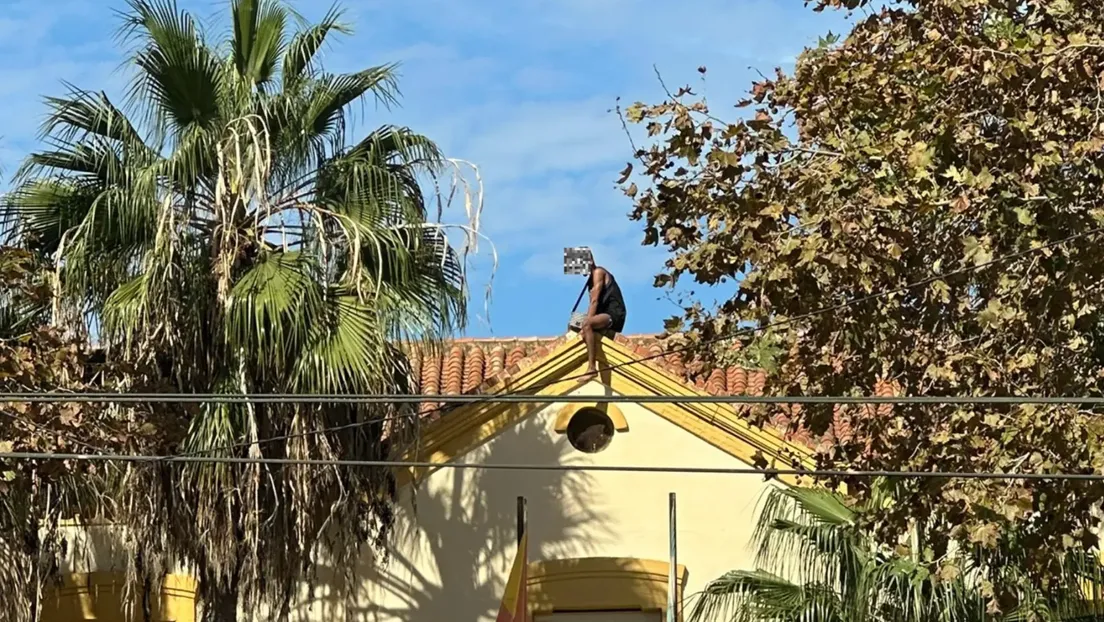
<point x="598" y="531"/>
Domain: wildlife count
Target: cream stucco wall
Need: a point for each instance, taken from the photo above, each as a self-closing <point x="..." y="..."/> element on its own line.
<point x="456" y="536"/>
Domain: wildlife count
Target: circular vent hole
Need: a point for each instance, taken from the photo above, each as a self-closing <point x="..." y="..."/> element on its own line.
<point x="590" y="430"/>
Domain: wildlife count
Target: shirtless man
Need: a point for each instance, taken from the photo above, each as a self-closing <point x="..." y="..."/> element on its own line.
<point x="606" y="312"/>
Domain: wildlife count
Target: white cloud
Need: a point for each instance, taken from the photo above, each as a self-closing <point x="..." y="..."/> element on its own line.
<point x="520" y="87"/>
<point x="542" y="79"/>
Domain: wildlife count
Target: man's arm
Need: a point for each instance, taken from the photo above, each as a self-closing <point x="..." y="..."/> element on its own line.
<point x="597" y="282"/>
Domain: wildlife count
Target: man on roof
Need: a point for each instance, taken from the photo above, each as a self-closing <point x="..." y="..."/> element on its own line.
<point x="606" y="313"/>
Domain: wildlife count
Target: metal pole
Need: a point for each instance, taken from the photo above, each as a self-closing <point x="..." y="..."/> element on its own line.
<point x="672" y="585"/>
<point x="520" y="518"/>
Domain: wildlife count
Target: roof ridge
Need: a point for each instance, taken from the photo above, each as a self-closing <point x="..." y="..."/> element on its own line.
<point x="534" y="338"/>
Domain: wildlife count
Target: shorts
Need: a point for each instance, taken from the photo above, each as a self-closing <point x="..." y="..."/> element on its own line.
<point x="617" y="317"/>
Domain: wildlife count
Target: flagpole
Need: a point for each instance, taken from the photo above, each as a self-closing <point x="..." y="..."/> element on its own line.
<point x="520" y="518"/>
<point x="523" y="589"/>
<point x="672" y="590"/>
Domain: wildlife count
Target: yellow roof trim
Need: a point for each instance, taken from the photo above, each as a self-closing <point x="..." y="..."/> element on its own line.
<point x="471" y="425"/>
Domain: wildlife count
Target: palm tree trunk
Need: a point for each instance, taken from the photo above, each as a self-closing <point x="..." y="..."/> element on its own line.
<point x="222" y="599"/>
<point x="223" y="606"/>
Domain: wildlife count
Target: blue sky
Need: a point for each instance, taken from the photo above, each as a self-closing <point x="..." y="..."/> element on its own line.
<point x="522" y="88"/>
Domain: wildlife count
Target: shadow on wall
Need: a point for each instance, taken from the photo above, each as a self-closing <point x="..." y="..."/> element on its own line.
<point x="452" y="560"/>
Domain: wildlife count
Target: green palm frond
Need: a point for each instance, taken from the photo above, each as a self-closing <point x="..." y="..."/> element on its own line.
<point x="347" y="351"/>
<point x="126" y="307"/>
<point x="193" y="162"/>
<point x="390" y="144"/>
<point x="93" y="160"/>
<point x="43" y="210"/>
<point x="815" y="566"/>
<point x="179" y="78"/>
<point x="259" y="39"/>
<point x="83" y="112"/>
<point x="331" y="94"/>
<point x="752" y="596"/>
<point x="304" y="46"/>
<point x="809" y="533"/>
<point x="273" y="307"/>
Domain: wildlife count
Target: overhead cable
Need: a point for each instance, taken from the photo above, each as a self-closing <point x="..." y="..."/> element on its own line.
<point x="766" y="472"/>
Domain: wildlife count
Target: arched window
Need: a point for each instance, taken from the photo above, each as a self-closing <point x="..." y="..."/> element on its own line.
<point x="590" y="427"/>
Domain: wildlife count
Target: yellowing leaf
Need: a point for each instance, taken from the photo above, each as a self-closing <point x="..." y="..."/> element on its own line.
<point x="1023" y="216"/>
<point x="948" y="573"/>
<point x="984" y="180"/>
<point x="960" y="204"/>
<point x="635" y="112"/>
<point x="625" y="173"/>
<point x="920" y="157"/>
<point x="985" y="535"/>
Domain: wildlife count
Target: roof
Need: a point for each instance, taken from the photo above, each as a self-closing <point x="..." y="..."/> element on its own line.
<point x="470" y="365"/>
<point x="486" y="365"/>
<point x="546" y="370"/>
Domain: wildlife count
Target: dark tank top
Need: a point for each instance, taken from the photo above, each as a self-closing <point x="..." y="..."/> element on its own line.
<point x="610" y="301"/>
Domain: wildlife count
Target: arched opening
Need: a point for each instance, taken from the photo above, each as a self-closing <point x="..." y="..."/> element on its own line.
<point x="590" y="430"/>
<point x="590" y="427"/>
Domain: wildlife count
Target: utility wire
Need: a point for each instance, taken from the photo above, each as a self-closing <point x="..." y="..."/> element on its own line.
<point x="261" y="398"/>
<point x="47" y="431"/>
<point x="520" y="398"/>
<point x="493" y="397"/>
<point x="768" y="472"/>
<point x="735" y="334"/>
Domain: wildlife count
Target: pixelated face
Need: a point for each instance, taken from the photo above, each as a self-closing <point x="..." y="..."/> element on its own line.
<point x="578" y="260"/>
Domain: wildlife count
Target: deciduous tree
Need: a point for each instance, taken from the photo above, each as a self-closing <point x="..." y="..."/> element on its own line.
<point x="933" y="138"/>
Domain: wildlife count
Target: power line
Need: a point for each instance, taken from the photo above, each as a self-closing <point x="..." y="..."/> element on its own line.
<point x="45" y="430"/>
<point x="520" y="398"/>
<point x="891" y="292"/>
<point x="735" y="334"/>
<point x="768" y="472"/>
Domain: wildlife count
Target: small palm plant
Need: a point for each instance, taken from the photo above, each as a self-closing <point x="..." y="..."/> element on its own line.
<point x="815" y="564"/>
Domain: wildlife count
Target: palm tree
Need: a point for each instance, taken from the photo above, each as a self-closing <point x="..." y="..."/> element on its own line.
<point x="815" y="564"/>
<point x="223" y="228"/>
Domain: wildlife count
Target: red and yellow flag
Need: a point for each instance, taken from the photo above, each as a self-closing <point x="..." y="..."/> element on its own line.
<point x="515" y="602"/>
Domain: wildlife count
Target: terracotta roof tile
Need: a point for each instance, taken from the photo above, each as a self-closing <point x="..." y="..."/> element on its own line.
<point x="736" y="380"/>
<point x="473" y="369"/>
<point x="487" y="365"/>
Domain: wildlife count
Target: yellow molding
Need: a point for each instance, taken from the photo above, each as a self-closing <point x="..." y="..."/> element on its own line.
<point x="98" y="596"/>
<point x="620" y="424"/>
<point x="601" y="584"/>
<point x="472" y="425"/>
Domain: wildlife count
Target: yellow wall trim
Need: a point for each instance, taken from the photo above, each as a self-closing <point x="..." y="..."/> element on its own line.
<point x="99" y="596"/>
<point x="620" y="424"/>
<point x="601" y="584"/>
